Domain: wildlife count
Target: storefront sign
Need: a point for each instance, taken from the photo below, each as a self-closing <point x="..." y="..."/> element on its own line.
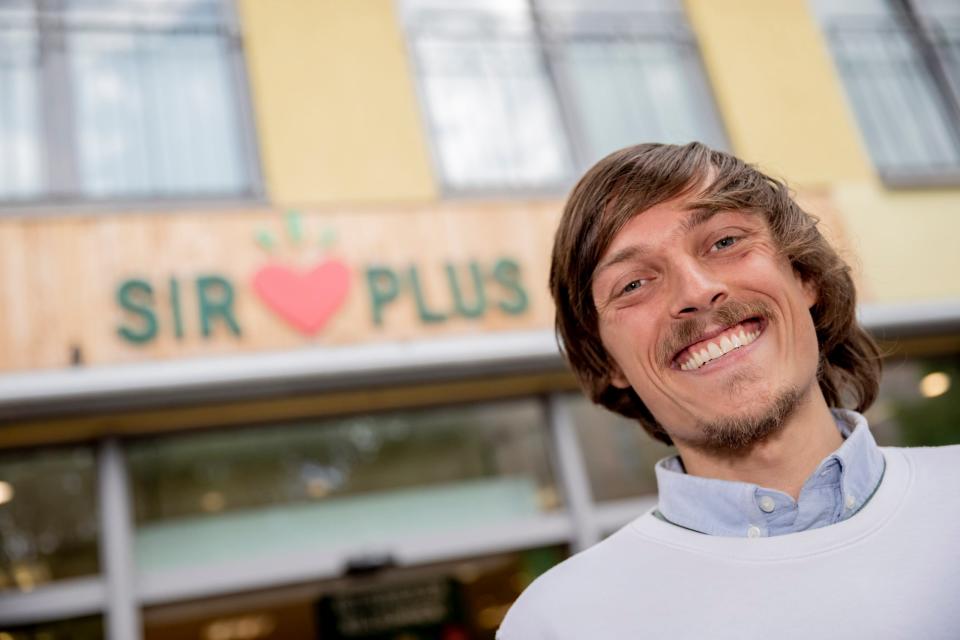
<point x="146" y="286"/>
<point x="306" y="299"/>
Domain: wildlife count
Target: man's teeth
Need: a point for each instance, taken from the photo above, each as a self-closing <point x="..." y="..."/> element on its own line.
<point x="714" y="350"/>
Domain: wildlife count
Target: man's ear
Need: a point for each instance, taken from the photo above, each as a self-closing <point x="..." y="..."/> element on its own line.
<point x="617" y="378"/>
<point x="811" y="292"/>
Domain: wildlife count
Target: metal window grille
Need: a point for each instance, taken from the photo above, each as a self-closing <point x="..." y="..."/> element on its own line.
<point x="899" y="61"/>
<point x="521" y="96"/>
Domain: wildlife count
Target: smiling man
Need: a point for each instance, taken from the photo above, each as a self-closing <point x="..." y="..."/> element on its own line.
<point x="696" y="297"/>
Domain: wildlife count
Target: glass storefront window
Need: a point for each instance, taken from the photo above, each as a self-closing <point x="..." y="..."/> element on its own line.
<point x="366" y="480"/>
<point x="919" y="402"/>
<point x="48" y="516"/>
<point x="619" y="454"/>
<point x="89" y="628"/>
<point x="460" y="600"/>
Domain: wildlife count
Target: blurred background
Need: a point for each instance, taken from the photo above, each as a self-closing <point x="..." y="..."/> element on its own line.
<point x="276" y="350"/>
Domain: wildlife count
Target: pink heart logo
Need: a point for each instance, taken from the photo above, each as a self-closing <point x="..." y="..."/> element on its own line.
<point x="305" y="300"/>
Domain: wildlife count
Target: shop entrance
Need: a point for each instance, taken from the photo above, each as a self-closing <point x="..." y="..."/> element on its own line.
<point x="461" y="600"/>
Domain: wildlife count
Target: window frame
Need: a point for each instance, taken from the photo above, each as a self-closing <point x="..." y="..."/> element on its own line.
<point x="59" y="163"/>
<point x="921" y="34"/>
<point x="560" y="83"/>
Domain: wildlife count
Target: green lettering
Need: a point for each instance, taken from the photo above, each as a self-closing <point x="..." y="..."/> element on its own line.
<point x="426" y="315"/>
<point x="136" y="296"/>
<point x="384" y="286"/>
<point x="507" y="273"/>
<point x="212" y="306"/>
<point x="175" y="308"/>
<point x="480" y="301"/>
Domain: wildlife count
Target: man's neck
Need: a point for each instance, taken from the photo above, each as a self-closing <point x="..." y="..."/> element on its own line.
<point x="784" y="460"/>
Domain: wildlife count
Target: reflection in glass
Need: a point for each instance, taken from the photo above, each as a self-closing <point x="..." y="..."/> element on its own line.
<point x="216" y="497"/>
<point x="460" y="600"/>
<point x="619" y="454"/>
<point x="89" y="628"/>
<point x="905" y="415"/>
<point x="48" y="517"/>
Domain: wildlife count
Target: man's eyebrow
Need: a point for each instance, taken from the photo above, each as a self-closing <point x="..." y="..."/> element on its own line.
<point x="626" y="254"/>
<point x="698" y="217"/>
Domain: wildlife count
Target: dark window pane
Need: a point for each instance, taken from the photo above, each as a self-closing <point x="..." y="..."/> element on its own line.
<point x="48" y="516"/>
<point x="919" y="402"/>
<point x="462" y="599"/>
<point x="324" y="484"/>
<point x="619" y="454"/>
<point x="89" y="628"/>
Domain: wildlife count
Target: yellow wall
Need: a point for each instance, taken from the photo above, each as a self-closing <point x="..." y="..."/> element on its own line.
<point x="334" y="101"/>
<point x="906" y="240"/>
<point x="777" y="90"/>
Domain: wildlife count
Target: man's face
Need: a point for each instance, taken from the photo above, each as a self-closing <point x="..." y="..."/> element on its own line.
<point x="704" y="318"/>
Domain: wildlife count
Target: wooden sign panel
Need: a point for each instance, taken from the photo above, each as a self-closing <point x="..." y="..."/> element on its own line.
<point x="142" y="286"/>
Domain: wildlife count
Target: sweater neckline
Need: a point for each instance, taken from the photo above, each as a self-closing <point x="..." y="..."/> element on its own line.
<point x="838" y="488"/>
<point x="889" y="496"/>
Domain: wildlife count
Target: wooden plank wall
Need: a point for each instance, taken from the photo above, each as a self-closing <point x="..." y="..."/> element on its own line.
<point x="59" y="275"/>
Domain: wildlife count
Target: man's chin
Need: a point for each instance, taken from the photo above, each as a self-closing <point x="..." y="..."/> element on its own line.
<point x="739" y="432"/>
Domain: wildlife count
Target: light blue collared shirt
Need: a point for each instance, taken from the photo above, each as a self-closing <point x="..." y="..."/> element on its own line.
<point x="840" y="486"/>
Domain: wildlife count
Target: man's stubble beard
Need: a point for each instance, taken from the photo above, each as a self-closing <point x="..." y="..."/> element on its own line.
<point x="734" y="436"/>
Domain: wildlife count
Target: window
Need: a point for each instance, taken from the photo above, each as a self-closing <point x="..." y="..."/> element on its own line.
<point x="465" y="598"/>
<point x="620" y="456"/>
<point x="919" y="402"/>
<point x="133" y="99"/>
<point x="49" y="522"/>
<point x="88" y="628"/>
<point x="366" y="479"/>
<point x="522" y="95"/>
<point x="900" y="63"/>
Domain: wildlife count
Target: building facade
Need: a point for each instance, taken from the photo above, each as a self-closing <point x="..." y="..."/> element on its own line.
<point x="276" y="347"/>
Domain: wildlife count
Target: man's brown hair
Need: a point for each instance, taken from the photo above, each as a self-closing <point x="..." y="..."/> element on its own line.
<point x="630" y="181"/>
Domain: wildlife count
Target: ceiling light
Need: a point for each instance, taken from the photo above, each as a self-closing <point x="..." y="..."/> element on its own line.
<point x="934" y="384"/>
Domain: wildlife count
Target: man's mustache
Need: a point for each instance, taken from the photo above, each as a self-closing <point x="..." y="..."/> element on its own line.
<point x="689" y="330"/>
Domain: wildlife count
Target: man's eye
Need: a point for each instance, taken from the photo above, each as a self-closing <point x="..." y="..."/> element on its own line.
<point x="633" y="285"/>
<point x="724" y="243"/>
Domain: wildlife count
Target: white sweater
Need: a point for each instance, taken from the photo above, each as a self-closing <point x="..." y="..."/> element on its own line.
<point x="890" y="571"/>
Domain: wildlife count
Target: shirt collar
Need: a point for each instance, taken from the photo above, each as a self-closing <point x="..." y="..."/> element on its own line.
<point x="838" y="488"/>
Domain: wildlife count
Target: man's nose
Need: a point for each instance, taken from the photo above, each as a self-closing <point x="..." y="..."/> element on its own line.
<point x="696" y="289"/>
